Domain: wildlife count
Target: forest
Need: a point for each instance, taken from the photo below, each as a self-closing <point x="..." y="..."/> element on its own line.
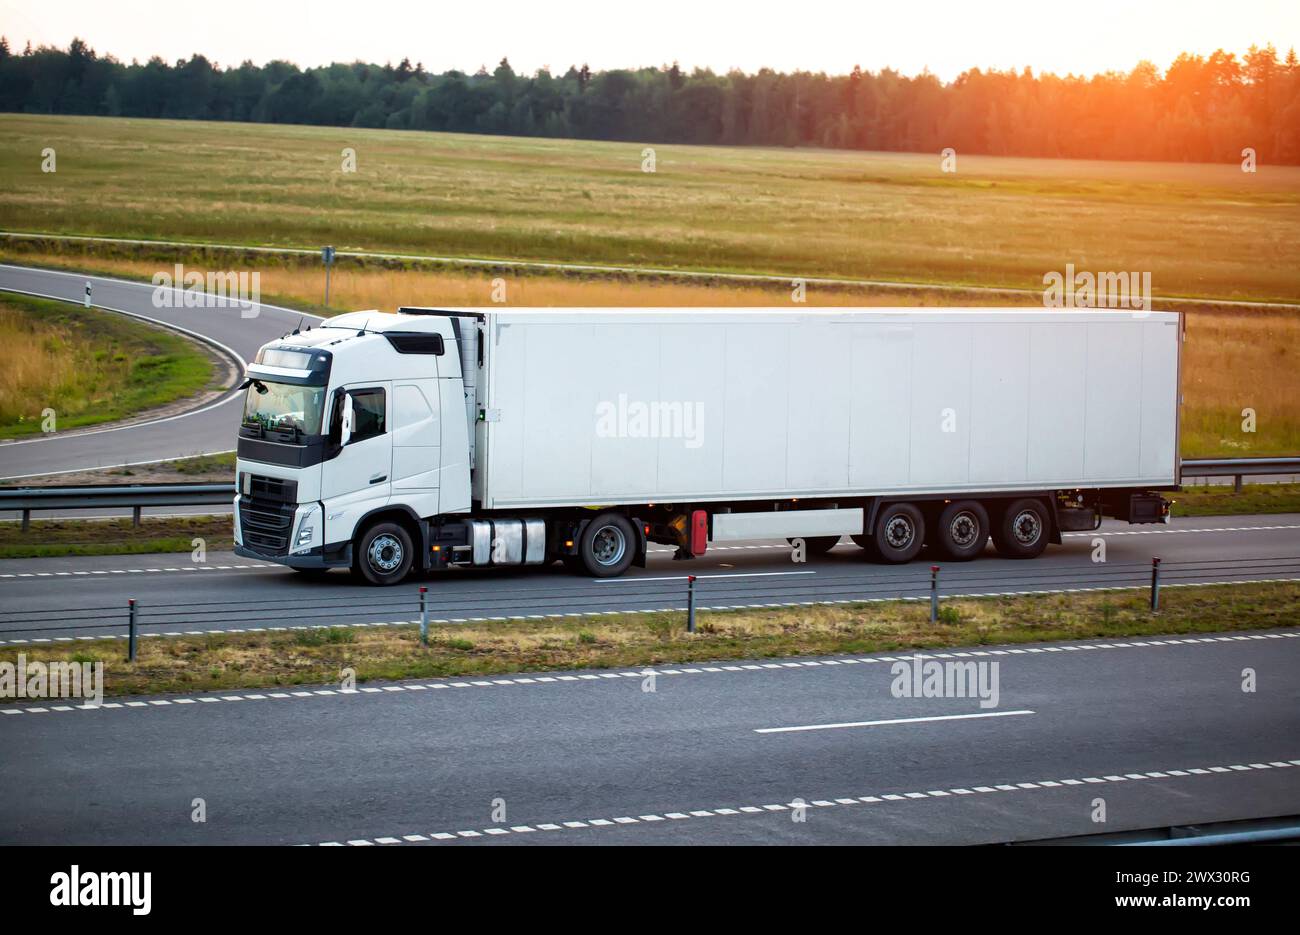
<point x="1200" y="109"/>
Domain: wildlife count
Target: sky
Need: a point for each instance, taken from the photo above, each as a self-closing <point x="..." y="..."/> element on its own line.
<point x="944" y="36"/>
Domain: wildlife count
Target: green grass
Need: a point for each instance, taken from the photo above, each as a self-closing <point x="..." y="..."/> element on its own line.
<point x="88" y="366"/>
<point x="1221" y="501"/>
<point x="243" y="660"/>
<point x="51" y="538"/>
<point x="1201" y="230"/>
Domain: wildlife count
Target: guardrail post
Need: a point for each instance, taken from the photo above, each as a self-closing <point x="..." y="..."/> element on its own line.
<point x="130" y="640"/>
<point x="27" y="520"/>
<point x="135" y="515"/>
<point x="934" y="593"/>
<point x="1155" y="583"/>
<point x="690" y="603"/>
<point x="424" y="617"/>
<point x="1236" y="483"/>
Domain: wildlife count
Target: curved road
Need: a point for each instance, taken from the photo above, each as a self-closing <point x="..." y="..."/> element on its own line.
<point x="206" y="430"/>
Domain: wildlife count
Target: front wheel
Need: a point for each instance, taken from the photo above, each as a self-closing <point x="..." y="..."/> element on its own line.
<point x="385" y="554"/>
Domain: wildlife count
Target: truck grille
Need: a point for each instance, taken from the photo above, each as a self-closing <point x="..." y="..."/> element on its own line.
<point x="265" y="527"/>
<point x="260" y="487"/>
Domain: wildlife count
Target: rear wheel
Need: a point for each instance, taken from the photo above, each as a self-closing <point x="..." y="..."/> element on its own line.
<point x="962" y="530"/>
<point x="817" y="545"/>
<point x="1022" y="530"/>
<point x="607" y="546"/>
<point x="900" y="533"/>
<point x="384" y="554"/>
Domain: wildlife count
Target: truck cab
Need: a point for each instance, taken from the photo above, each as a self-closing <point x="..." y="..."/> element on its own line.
<point x="360" y="423"/>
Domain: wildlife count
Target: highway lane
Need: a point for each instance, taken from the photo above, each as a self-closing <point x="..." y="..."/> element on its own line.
<point x="176" y="595"/>
<point x="209" y="429"/>
<point x="1159" y="730"/>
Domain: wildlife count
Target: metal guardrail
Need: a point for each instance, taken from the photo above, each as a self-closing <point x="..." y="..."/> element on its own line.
<point x="134" y="496"/>
<point x="138" y="496"/>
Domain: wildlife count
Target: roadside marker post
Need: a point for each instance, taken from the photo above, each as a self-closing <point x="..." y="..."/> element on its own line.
<point x="934" y="593"/>
<point x="690" y="603"/>
<point x="130" y="642"/>
<point x="1155" y="584"/>
<point x="424" y="617"/>
<point x="327" y="255"/>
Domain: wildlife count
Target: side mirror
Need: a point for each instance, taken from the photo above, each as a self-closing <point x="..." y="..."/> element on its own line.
<point x="345" y="434"/>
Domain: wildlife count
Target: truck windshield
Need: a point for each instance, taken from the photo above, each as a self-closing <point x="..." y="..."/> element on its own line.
<point x="284" y="407"/>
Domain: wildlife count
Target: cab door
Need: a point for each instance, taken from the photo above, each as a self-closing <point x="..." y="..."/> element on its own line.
<point x="359" y="478"/>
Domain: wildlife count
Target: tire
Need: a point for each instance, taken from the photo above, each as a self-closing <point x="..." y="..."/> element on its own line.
<point x="384" y="554"/>
<point x="817" y="545"/>
<point x="899" y="534"/>
<point x="962" y="530"/>
<point x="1022" y="529"/>
<point x="607" y="546"/>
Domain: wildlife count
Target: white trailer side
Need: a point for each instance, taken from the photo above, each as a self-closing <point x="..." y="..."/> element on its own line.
<point x="821" y="403"/>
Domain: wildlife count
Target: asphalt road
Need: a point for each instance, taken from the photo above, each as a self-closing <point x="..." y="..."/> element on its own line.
<point x="41" y="598"/>
<point x="1144" y="733"/>
<point x="208" y="429"/>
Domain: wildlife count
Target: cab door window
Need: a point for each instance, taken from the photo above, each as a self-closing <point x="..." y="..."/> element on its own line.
<point x="368" y="414"/>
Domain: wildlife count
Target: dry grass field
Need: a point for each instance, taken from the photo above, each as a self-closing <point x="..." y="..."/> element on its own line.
<point x="1201" y="230"/>
<point x="87" y="365"/>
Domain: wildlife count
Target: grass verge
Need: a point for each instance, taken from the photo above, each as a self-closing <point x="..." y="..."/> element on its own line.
<point x="1219" y="500"/>
<point x="51" y="538"/>
<point x="87" y="366"/>
<point x="313" y="657"/>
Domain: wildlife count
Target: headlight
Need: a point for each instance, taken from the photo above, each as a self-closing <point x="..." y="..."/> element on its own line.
<point x="304" y="535"/>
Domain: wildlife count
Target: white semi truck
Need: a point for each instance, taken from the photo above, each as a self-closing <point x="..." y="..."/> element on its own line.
<point x="392" y="442"/>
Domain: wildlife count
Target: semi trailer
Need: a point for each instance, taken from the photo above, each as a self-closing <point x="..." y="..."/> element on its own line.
<point x="412" y="441"/>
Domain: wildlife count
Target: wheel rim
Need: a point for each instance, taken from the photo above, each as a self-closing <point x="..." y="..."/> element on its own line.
<point x="1027" y="527"/>
<point x="899" y="532"/>
<point x="608" y="545"/>
<point x="385" y="553"/>
<point x="964" y="529"/>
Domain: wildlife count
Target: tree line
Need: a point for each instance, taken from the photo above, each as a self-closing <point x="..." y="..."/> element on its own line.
<point x="1200" y="109"/>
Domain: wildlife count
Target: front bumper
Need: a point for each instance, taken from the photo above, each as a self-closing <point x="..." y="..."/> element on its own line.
<point x="335" y="556"/>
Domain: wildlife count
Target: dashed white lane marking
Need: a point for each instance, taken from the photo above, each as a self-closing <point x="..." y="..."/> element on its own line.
<point x="879" y="798"/>
<point x="536" y="678"/>
<point x="897" y="720"/>
<point x="665" y="610"/>
<point x="135" y="571"/>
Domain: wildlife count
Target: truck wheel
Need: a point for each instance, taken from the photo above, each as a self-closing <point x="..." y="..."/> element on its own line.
<point x="817" y="545"/>
<point x="384" y="554"/>
<point x="900" y="533"/>
<point x="963" y="530"/>
<point x="1022" y="530"/>
<point x="607" y="546"/>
